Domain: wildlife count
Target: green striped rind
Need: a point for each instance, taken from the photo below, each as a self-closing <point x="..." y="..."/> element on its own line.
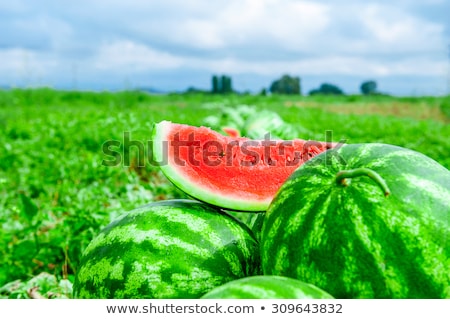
<point x="167" y="249"/>
<point x="353" y="241"/>
<point x="267" y="287"/>
<point x="255" y="222"/>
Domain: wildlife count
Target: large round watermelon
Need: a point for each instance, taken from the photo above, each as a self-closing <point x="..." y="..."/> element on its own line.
<point x="267" y="287"/>
<point x="233" y="173"/>
<point x="167" y="249"/>
<point x="363" y="221"/>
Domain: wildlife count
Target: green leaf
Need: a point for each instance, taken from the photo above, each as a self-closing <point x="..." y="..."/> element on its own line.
<point x="29" y="208"/>
<point x="24" y="250"/>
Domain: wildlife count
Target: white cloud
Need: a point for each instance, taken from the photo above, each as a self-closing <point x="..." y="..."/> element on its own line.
<point x="26" y="66"/>
<point x="394" y="30"/>
<point x="23" y="62"/>
<point x="343" y="65"/>
<point x="12" y="6"/>
<point x="133" y="57"/>
<point x="200" y="33"/>
<point x="237" y="23"/>
<point x="107" y="39"/>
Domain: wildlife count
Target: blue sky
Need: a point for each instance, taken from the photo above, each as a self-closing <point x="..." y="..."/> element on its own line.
<point x="172" y="44"/>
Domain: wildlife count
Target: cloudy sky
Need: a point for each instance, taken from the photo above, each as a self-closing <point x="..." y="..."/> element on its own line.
<point x="173" y="44"/>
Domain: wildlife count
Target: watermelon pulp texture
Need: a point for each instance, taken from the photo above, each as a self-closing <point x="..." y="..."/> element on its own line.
<point x="266" y="287"/>
<point x="231" y="132"/>
<point x="233" y="173"/>
<point x="355" y="242"/>
<point x="167" y="249"/>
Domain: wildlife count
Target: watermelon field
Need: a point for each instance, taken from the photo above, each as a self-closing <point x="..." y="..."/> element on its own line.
<point x="60" y="184"/>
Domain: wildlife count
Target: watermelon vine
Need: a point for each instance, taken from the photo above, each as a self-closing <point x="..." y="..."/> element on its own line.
<point x="343" y="176"/>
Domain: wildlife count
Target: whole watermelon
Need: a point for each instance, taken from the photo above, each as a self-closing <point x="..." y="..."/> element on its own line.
<point x="266" y="287"/>
<point x="363" y="221"/>
<point x="167" y="249"/>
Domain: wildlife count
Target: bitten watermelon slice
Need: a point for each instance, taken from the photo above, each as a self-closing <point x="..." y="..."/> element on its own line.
<point x="235" y="173"/>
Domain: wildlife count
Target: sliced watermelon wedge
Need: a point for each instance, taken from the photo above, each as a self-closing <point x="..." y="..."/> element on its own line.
<point x="234" y="173"/>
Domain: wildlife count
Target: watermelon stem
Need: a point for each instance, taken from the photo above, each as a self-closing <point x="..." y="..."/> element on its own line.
<point x="343" y="176"/>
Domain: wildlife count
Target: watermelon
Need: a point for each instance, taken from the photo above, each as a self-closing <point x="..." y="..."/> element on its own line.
<point x="251" y="122"/>
<point x="232" y="173"/>
<point x="363" y="221"/>
<point x="266" y="287"/>
<point x="166" y="249"/>
<point x="228" y="115"/>
<point x="255" y="222"/>
<point x="265" y="121"/>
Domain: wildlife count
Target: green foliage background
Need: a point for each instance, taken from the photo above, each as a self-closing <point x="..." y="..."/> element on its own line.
<point x="56" y="194"/>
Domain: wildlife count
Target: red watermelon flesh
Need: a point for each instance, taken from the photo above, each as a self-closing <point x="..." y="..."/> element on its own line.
<point x="232" y="132"/>
<point x="234" y="173"/>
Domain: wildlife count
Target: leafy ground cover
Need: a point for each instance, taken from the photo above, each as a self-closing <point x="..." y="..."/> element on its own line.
<point x="56" y="194"/>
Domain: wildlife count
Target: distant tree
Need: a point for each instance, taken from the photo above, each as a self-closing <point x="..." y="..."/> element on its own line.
<point x="286" y="85"/>
<point x="327" y="89"/>
<point x="215" y="84"/>
<point x="194" y="90"/>
<point x="221" y="85"/>
<point x="369" y="88"/>
<point x="226" y="84"/>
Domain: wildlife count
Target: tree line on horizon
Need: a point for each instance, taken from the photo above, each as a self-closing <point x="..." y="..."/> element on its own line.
<point x="287" y="84"/>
